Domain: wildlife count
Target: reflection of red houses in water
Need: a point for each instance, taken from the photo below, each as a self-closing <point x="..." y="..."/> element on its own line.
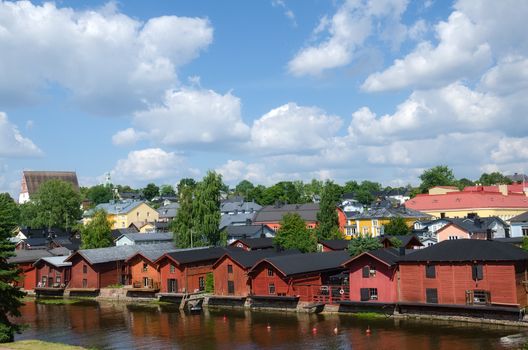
<point x="466" y="272"/>
<point x="297" y="275"/>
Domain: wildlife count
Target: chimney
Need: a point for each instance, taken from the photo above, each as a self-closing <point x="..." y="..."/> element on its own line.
<point x="489" y="235"/>
<point x="503" y="189"/>
<point x="402" y="251"/>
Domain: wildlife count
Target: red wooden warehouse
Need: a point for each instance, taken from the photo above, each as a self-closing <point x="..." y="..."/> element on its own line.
<point x="231" y="271"/>
<point x="374" y="276"/>
<point x="142" y="269"/>
<point x="24" y="260"/>
<point x="466" y="272"/>
<point x="186" y="271"/>
<point x="304" y="276"/>
<point x="53" y="272"/>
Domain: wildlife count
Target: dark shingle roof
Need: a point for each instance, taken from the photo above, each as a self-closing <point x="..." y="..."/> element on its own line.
<point x="336" y="244"/>
<point x="405" y="239"/>
<point x="147" y="237"/>
<point x="307" y="263"/>
<point x="274" y="213"/>
<point x="520" y="218"/>
<point x="26" y="256"/>
<point x="390" y="212"/>
<point x="256" y="243"/>
<point x="117" y="253"/>
<point x="197" y="255"/>
<point x="243" y="231"/>
<point x="469" y="250"/>
<point x="249" y="258"/>
<point x="388" y="255"/>
<point x="116" y="233"/>
<point x="34" y="179"/>
<point x="474" y="225"/>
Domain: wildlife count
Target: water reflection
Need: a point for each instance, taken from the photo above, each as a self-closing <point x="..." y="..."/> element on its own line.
<point x="121" y="326"/>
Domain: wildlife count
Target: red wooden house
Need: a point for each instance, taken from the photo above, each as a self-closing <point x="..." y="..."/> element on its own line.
<point x="142" y="269"/>
<point x="374" y="276"/>
<point x="53" y="272"/>
<point x="186" y="271"/>
<point x="93" y="269"/>
<point x="303" y="276"/>
<point x="230" y="272"/>
<point x="24" y="260"/>
<point x="466" y="272"/>
<point x="253" y="243"/>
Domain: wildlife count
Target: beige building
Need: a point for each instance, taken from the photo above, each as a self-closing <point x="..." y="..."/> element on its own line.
<point x="124" y="213"/>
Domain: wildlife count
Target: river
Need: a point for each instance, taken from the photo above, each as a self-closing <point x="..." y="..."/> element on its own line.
<point x="125" y="326"/>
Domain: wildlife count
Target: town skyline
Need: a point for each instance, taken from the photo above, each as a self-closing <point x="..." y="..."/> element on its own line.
<point x="268" y="91"/>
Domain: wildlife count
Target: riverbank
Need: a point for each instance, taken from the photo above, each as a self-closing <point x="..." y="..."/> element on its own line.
<point x="38" y="345"/>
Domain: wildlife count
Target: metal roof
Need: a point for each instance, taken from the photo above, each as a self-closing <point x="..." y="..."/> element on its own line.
<point x="274" y="213"/>
<point x="57" y="261"/>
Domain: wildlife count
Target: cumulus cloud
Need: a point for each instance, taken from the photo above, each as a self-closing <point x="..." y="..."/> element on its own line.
<point x="148" y="165"/>
<point x="108" y="61"/>
<point x="12" y="143"/>
<point x="347" y="31"/>
<point x="511" y="149"/>
<point x="188" y="116"/>
<point x="473" y="38"/>
<point x="291" y="128"/>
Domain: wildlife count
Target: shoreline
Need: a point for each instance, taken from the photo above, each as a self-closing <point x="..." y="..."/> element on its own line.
<point x="327" y="310"/>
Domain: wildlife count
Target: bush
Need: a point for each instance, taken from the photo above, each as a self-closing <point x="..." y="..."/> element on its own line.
<point x="209" y="283"/>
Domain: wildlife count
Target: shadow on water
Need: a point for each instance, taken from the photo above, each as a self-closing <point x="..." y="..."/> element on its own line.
<point x="109" y="325"/>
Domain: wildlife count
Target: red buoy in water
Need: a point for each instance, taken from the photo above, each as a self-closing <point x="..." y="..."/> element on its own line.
<point x="368" y="331"/>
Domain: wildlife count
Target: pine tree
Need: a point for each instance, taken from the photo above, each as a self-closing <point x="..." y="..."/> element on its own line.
<point x="98" y="232"/>
<point x="293" y="234"/>
<point x="10" y="296"/>
<point x="206" y="212"/>
<point x="328" y="222"/>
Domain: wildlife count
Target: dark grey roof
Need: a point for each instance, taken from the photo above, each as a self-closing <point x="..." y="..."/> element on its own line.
<point x="197" y="255"/>
<point x="148" y="237"/>
<point x="308" y="263"/>
<point x="390" y="212"/>
<point x="242" y="231"/>
<point x="388" y="255"/>
<point x="511" y="240"/>
<point x="57" y="261"/>
<point x="116" y="233"/>
<point x="336" y="244"/>
<point x="28" y="256"/>
<point x="233" y="219"/>
<point x="473" y="225"/>
<point x="256" y="243"/>
<point x="34" y="242"/>
<point x="154" y="251"/>
<point x="518" y="177"/>
<point x="60" y="251"/>
<point x="468" y="250"/>
<point x="520" y="218"/>
<point x="168" y="211"/>
<point x="274" y="213"/>
<point x="122" y="252"/>
<point x="239" y="206"/>
<point x="405" y="239"/>
<point x="249" y="258"/>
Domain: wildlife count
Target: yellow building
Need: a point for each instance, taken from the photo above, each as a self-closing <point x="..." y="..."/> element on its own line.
<point x="124" y="213"/>
<point x="371" y="222"/>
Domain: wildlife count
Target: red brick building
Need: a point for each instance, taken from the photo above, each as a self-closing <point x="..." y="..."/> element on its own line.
<point x="466" y="272"/>
<point x="304" y="276"/>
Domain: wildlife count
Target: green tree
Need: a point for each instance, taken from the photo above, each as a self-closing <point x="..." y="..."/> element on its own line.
<point x="396" y="227"/>
<point x="365" y="193"/>
<point x="151" y="191"/>
<point x="209" y="283"/>
<point x="167" y="191"/>
<point x="10" y="296"/>
<point x="98" y="232"/>
<point x="293" y="234"/>
<point x="244" y="189"/>
<point x="439" y="175"/>
<point x="206" y="211"/>
<point x="182" y="226"/>
<point x="312" y="189"/>
<point x="396" y="243"/>
<point x="56" y="204"/>
<point x="283" y="192"/>
<point x="525" y="243"/>
<point x="100" y="194"/>
<point x="494" y="178"/>
<point x="463" y="182"/>
<point x="257" y="194"/>
<point x="363" y="244"/>
<point x="350" y="187"/>
<point x="328" y="222"/>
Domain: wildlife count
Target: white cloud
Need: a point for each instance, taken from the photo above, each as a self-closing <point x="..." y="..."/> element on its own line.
<point x="148" y="165"/>
<point x="291" y="128"/>
<point x="237" y="170"/>
<point x="418" y="30"/>
<point x="508" y="76"/>
<point x="12" y="143"/>
<point x="510" y="150"/>
<point x="189" y="116"/>
<point x="287" y="11"/>
<point x="347" y="31"/>
<point x="108" y="61"/>
<point x="127" y="137"/>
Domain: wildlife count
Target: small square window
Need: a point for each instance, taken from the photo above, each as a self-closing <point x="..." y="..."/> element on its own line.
<point x="271" y="288"/>
<point x="145" y="267"/>
<point x="270" y="272"/>
<point x="430" y="271"/>
<point x="172" y="268"/>
<point x="229" y="268"/>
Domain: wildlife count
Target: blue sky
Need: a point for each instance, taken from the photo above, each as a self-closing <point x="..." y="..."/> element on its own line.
<point x="262" y="90"/>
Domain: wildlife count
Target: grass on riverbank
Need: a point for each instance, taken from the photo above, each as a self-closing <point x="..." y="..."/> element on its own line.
<point x="38" y="344"/>
<point x="368" y="315"/>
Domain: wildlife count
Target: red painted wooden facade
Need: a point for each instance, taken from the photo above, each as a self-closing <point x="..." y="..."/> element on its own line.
<point x="51" y="276"/>
<point x="230" y="278"/>
<point x="371" y="274"/>
<point x="498" y="283"/>
<point x="183" y="278"/>
<point x="143" y="272"/>
<point x="27" y="278"/>
<point x="86" y="275"/>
